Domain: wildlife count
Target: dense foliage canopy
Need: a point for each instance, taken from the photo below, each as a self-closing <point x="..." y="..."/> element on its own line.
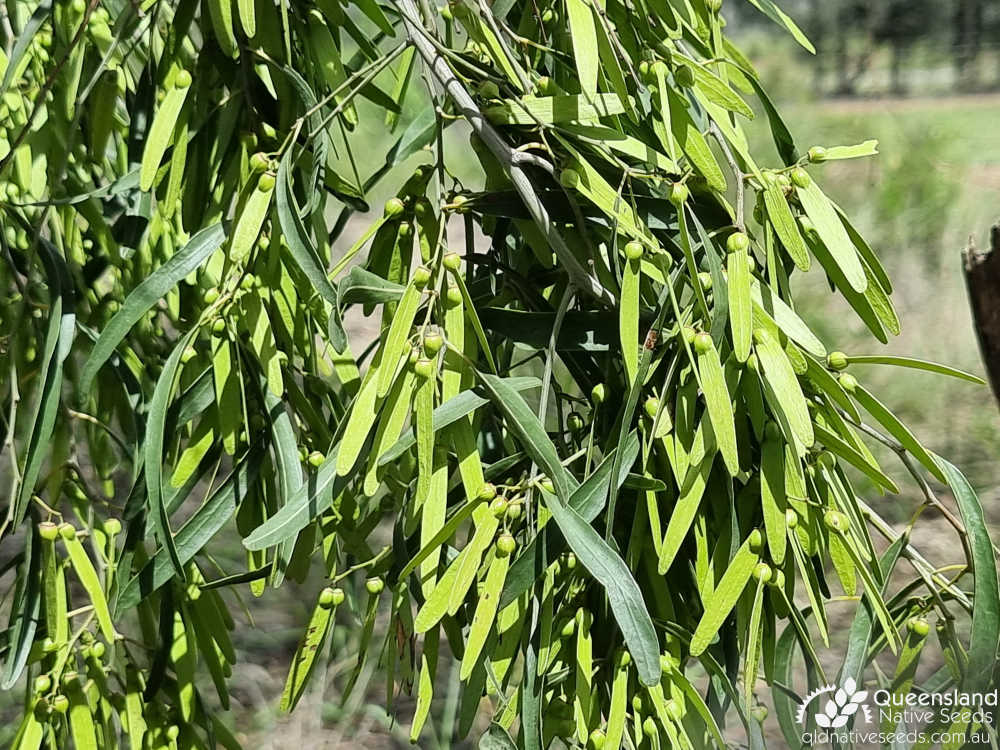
<point x="589" y="453"/>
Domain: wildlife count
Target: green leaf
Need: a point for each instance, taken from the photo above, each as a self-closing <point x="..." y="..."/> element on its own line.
<point x="305" y="655"/>
<point x="549" y="110"/>
<point x="785" y="226"/>
<point x="161" y="133"/>
<point x="585" y="52"/>
<point x="496" y="738"/>
<point x="720" y="407"/>
<point x="722" y="600"/>
<point x="984" y="637"/>
<point x="776" y="14"/>
<point x="783" y="386"/>
<point x="916" y="364"/>
<point x="868" y="148"/>
<point x="833" y="235"/>
<point x="144" y="296"/>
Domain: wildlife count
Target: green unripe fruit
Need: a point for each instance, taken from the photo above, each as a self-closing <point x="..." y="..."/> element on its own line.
<point x="762" y="572"/>
<point x="705" y="279"/>
<point x="836" y="521"/>
<point x="713" y="6"/>
<point x="667" y="663"/>
<point x="684" y="77"/>
<point x="759" y="713"/>
<point x="43" y="683"/>
<point x="791" y="518"/>
<point x="265" y="183"/>
<point x="188" y="354"/>
<point x="421" y="275"/>
<point x="678" y="193"/>
<point x="550" y="16"/>
<point x="48" y="531"/>
<point x="569" y="560"/>
<point x="827" y="460"/>
<point x="575" y="422"/>
<point x="772" y="431"/>
<point x="433" y="343"/>
<point x="737" y="241"/>
<point x="183" y="80"/>
<point x="645" y="71"/>
<point x="546" y="484"/>
<point x="817" y="154"/>
<point x="338" y="596"/>
<point x="918" y="626"/>
<point x="649" y="727"/>
<point x="98" y="650"/>
<point x="453" y="296"/>
<point x="315" y="459"/>
<point x="49" y="645"/>
<point x="60" y="704"/>
<point x="424" y="368"/>
<point x="848" y="382"/>
<point x="498" y="507"/>
<point x="446" y="12"/>
<point x="211" y="295"/>
<point x="689" y="335"/>
<point x="633" y="250"/>
<point x="801" y="178"/>
<point x="489" y="90"/>
<point x="836" y="361"/>
<point x="569" y="178"/>
<point x="249" y="281"/>
<point x="598" y="393"/>
<point x="624" y="659"/>
<point x="703" y="343"/>
<point x="487" y="492"/>
<point x="173" y="732"/>
<point x="112" y="527"/>
<point x="568" y="629"/>
<point x="66" y="531"/>
<point x="778" y="581"/>
<point x="326" y="597"/>
<point x="374" y="586"/>
<point x="394" y="207"/>
<point x="596" y="740"/>
<point x="514" y="511"/>
<point x="651" y="406"/>
<point x="259" y="162"/>
<point x="756" y="540"/>
<point x="218" y="325"/>
<point x="452" y="261"/>
<point x="544" y="85"/>
<point x="506" y="545"/>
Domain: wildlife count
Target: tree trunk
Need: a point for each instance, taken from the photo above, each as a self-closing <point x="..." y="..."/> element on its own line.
<point x="982" y="278"/>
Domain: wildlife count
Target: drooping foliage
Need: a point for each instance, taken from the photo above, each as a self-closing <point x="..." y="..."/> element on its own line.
<point x="556" y="423"/>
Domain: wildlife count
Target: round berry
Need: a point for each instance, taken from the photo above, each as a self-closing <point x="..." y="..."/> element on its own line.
<point x="489" y="90"/>
<point x="817" y="154"/>
<point x="918" y="626"/>
<point x="218" y="325"/>
<point x="598" y="393"/>
<point x="48" y="531"/>
<point x="836" y="361"/>
<point x="326" y="597"/>
<point x="633" y="250"/>
<point x="506" y="545"/>
<point x="684" y="76"/>
<point x="759" y="713"/>
<point x="338" y="596"/>
<point x="762" y="572"/>
<point x="791" y="518"/>
<point x="421" y="275"/>
<point x="374" y="586"/>
<point x="546" y="484"/>
<point x="498" y="507"/>
<point x="66" y="531"/>
<point x="211" y="295"/>
<point x="98" y="650"/>
<point x="173" y="732"/>
<point x="705" y="279"/>
<point x="713" y="6"/>
<point x="316" y="458"/>
<point x="453" y="296"/>
<point x="433" y="343"/>
<point x="424" y="368"/>
<point x="569" y="628"/>
<point x="60" y="704"/>
<point x="569" y="561"/>
<point x="703" y="343"/>
<point x="188" y="354"/>
<point x="43" y="683"/>
<point x="848" y="382"/>
<point x="452" y="261"/>
<point x="393" y="207"/>
<point x="259" y="162"/>
<point x="112" y="527"/>
<point x="678" y="193"/>
<point x="265" y="183"/>
<point x="801" y="178"/>
<point x="183" y="80"/>
<point x="649" y="727"/>
<point x="756" y="540"/>
<point x="651" y="406"/>
<point x="624" y="658"/>
<point x="597" y="740"/>
<point x="575" y="422"/>
<point x="737" y="242"/>
<point x="836" y="521"/>
<point x="514" y="511"/>
<point x="487" y="492"/>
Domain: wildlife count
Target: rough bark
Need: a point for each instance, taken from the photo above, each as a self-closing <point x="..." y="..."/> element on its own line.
<point x="982" y="277"/>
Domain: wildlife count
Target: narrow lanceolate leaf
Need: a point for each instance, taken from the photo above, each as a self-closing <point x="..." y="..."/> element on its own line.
<point x="161" y="132"/>
<point x="549" y="110"/>
<point x="359" y="424"/>
<point x="395" y="339"/>
<point x="832" y="233"/>
<point x="585" y="52"/>
<point x="251" y="219"/>
<point x="720" y="405"/>
<point x="144" y="296"/>
<point x="684" y="512"/>
<point x="248" y="17"/>
<point x="85" y="571"/>
<point x="221" y="14"/>
<point x="485" y="615"/>
<point x="628" y="318"/>
<point x="624" y="596"/>
<point x="81" y="720"/>
<point x="915" y="364"/>
<point x="897" y="429"/>
<point x="305" y="655"/>
<point x="984" y="637"/>
<point x="618" y="708"/>
<point x="783" y="385"/>
<point x="740" y="306"/>
<point x="726" y="593"/>
<point x="772" y="497"/>
<point x="785" y="226"/>
<point x="868" y="148"/>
